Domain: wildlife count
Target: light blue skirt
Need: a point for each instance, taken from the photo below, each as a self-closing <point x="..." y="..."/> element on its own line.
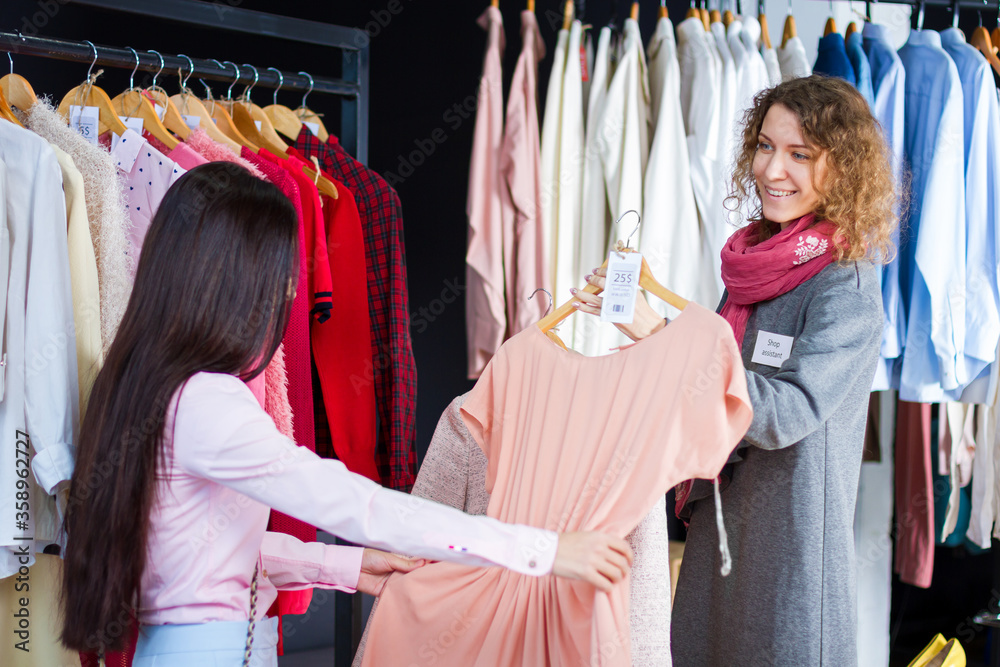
<point x="216" y="644"/>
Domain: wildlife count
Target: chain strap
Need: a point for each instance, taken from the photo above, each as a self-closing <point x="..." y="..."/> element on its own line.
<point x="253" y="616"/>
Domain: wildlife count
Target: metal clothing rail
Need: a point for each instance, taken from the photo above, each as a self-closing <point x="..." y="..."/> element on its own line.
<point x="352" y="87"/>
<point x="109" y="56"/>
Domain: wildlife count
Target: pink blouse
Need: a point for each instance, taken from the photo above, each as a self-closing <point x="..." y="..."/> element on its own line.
<point x="227" y="464"/>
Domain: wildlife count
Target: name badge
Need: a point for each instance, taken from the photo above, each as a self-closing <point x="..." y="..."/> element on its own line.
<point x="772" y="349"/>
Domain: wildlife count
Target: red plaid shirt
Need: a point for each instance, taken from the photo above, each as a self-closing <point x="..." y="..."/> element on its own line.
<point x="394" y="369"/>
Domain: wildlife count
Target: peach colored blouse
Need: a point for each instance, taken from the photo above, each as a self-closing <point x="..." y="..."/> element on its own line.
<point x="573" y="443"/>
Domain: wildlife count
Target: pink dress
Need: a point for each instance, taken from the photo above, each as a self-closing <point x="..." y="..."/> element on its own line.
<point x="573" y="443"/>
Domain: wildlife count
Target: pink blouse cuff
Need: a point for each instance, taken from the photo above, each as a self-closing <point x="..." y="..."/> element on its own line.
<point x="291" y="564"/>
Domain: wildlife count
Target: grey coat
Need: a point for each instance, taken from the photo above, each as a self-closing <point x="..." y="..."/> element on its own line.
<point x="789" y="504"/>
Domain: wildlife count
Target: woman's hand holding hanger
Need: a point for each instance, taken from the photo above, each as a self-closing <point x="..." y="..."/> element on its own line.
<point x="646" y="321"/>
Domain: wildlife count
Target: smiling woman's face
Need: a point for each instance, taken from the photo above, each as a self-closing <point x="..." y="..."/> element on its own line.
<point x="786" y="168"/>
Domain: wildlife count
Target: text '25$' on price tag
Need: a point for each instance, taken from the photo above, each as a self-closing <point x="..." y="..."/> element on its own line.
<point x="621" y="287"/>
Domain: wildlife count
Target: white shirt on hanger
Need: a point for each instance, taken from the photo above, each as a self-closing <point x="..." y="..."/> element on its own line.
<point x="594" y="214"/>
<point x="792" y="60"/>
<point x="757" y="78"/>
<point x="41" y="393"/>
<point x="671" y="233"/>
<point x="717" y="227"/>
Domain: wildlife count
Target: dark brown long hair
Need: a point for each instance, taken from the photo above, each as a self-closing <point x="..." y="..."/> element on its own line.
<point x="212" y="292"/>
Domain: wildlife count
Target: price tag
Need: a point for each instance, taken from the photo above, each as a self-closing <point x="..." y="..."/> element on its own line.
<point x="85" y="121"/>
<point x="622" y="286"/>
<point x="257" y="123"/>
<point x="132" y="123"/>
<point x="193" y="122"/>
<point x="313" y="127"/>
<point x="160" y="111"/>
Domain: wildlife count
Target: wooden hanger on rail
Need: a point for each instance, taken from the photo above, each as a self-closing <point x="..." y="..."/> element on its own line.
<point x="170" y="115"/>
<point x="133" y="104"/>
<point x="282" y="118"/>
<point x="6" y="112"/>
<point x="188" y="104"/>
<point x="16" y="88"/>
<point x="89" y="95"/>
<point x="765" y="36"/>
<point x="220" y="114"/>
<point x="308" y="116"/>
<point x="789" y="32"/>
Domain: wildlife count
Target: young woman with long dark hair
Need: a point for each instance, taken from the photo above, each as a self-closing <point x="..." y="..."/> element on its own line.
<point x="812" y="167"/>
<point x="178" y="465"/>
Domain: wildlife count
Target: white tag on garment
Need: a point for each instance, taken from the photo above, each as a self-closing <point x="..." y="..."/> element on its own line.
<point x="132" y="123"/>
<point x="622" y="285"/>
<point x="313" y="127"/>
<point x="258" y="124"/>
<point x="772" y="349"/>
<point x="193" y="122"/>
<point x="160" y="111"/>
<point x="85" y="121"/>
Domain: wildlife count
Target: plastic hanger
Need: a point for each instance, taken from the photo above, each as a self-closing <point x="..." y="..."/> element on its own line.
<point x="282" y="118"/>
<point x="789" y="31"/>
<point x="87" y="94"/>
<point x="172" y="119"/>
<point x="133" y="104"/>
<point x="221" y="116"/>
<point x="765" y="36"/>
<point x="188" y="104"/>
<point x="306" y="115"/>
<point x="16" y="88"/>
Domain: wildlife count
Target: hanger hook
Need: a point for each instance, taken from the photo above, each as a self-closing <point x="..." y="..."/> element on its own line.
<point x="236" y="68"/>
<point x="920" y="15"/>
<point x="190" y="71"/>
<point x="11" y="59"/>
<point x="548" y="294"/>
<point x="94" y="61"/>
<point x="638" y="221"/>
<point x="308" y="76"/>
<point x="131" y="77"/>
<point x="256" y="78"/>
<point x="789" y="7"/>
<point x="162" y="64"/>
<point x="281" y="82"/>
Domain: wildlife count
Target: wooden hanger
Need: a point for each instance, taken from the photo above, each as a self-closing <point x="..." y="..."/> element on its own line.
<point x="221" y="115"/>
<point x="531" y="5"/>
<point x="282" y="118"/>
<point x="133" y="104"/>
<point x="306" y="115"/>
<point x="830" y="27"/>
<point x="17" y="90"/>
<point x="634" y="12"/>
<point x="567" y="15"/>
<point x="693" y="12"/>
<point x="727" y="18"/>
<point x="6" y="112"/>
<point x="646" y="281"/>
<point x="706" y="18"/>
<point x="852" y="28"/>
<point x="981" y="40"/>
<point x="715" y="16"/>
<point x="765" y="36"/>
<point x="789" y="30"/>
<point x="172" y="118"/>
<point x="89" y="95"/>
<point x="495" y="3"/>
<point x="188" y="104"/>
<point x="663" y="10"/>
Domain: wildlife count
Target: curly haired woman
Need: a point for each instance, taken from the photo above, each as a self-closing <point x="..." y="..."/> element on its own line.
<point x="803" y="298"/>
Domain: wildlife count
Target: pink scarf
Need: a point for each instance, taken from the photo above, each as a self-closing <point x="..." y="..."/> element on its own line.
<point x="764" y="271"/>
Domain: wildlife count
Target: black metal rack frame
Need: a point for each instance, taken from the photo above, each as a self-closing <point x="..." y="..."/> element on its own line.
<point x="352" y="86"/>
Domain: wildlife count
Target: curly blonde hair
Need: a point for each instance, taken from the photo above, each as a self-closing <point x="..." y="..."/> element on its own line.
<point x="858" y="194"/>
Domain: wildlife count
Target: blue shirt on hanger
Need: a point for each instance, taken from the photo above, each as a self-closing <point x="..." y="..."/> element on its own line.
<point x="889" y="86"/>
<point x="832" y="60"/>
<point x="862" y="70"/>
<point x="932" y="252"/>
<point x="982" y="208"/>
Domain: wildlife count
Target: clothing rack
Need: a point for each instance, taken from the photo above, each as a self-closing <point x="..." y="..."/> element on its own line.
<point x="352" y="86"/>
